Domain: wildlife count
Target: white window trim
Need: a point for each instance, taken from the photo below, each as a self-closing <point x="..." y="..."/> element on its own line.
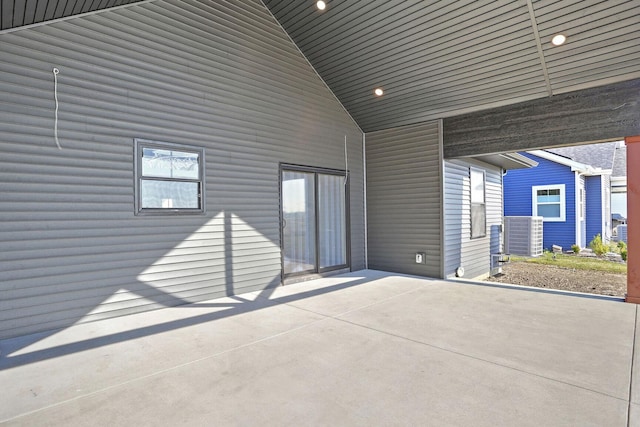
<point x="563" y="197"/>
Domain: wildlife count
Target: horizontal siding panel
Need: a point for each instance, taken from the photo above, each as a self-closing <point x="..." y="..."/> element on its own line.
<point x="474" y="255"/>
<point x="186" y="265"/>
<point x="218" y="75"/>
<point x="403" y="199"/>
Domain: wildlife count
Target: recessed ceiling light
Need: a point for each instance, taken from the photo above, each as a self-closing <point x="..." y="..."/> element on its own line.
<point x="558" y="39"/>
<point x="378" y="91"/>
<point x="321" y="5"/>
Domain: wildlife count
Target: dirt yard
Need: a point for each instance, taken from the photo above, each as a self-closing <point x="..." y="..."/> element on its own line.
<point x="552" y="277"/>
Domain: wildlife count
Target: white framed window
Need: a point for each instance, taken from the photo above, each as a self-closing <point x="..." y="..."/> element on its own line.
<point x="169" y="178"/>
<point x="478" y="205"/>
<point x="548" y="201"/>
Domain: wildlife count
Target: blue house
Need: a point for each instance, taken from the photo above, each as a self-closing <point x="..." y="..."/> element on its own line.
<point x="572" y="197"/>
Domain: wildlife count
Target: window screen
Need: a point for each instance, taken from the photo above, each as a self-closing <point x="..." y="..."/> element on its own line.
<point x="169" y="178"/>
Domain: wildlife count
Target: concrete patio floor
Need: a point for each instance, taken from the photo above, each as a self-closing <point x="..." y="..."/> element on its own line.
<point x="365" y="348"/>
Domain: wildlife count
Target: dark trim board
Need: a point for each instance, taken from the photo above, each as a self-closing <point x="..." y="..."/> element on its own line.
<point x="318" y="271"/>
<point x="597" y="114"/>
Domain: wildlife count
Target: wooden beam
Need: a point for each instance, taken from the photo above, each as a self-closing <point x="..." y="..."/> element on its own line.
<point x="597" y="114"/>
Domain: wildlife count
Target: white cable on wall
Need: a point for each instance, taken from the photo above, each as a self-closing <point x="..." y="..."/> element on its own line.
<point x="55" y="95"/>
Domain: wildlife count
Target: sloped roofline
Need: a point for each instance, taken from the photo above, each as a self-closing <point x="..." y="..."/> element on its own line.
<point x="575" y="166"/>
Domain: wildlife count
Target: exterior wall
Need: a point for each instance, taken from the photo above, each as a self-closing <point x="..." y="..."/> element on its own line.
<point x="518" y="198"/>
<point x="594" y="211"/>
<point x="404" y="199"/>
<point x="474" y="255"/>
<point x="218" y="75"/>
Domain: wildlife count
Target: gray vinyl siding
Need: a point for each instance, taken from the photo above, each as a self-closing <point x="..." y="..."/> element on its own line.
<point x="403" y="199"/>
<point x="460" y="250"/>
<point x="218" y="75"/>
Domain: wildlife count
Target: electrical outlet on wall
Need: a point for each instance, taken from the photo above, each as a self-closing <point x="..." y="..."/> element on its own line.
<point x="421" y="258"/>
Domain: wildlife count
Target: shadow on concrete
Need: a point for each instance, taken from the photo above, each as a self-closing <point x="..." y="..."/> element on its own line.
<point x="263" y="300"/>
<point x="85" y="297"/>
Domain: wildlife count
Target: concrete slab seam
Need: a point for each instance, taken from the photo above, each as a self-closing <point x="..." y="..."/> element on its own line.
<point x="483" y="360"/>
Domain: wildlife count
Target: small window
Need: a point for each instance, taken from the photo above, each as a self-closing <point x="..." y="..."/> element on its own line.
<point x="478" y="206"/>
<point x="549" y="202"/>
<point x="169" y="178"/>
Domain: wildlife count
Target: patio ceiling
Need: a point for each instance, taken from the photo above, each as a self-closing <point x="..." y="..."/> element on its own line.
<point x="18" y="13"/>
<point x="435" y="59"/>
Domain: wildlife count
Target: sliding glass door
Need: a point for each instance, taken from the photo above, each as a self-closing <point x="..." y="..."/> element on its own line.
<point x="314" y="220"/>
<point x="299" y="221"/>
<point x="332" y="223"/>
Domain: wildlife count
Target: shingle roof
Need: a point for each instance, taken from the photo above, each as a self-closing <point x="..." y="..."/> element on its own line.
<point x="597" y="155"/>
<point x="620" y="162"/>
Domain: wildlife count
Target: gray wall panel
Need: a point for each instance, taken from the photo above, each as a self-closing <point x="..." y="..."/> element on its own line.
<point x="474" y="255"/>
<point x="222" y="76"/>
<point x="403" y="199"/>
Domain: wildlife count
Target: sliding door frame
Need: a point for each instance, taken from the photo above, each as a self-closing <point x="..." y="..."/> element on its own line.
<point x="316" y="171"/>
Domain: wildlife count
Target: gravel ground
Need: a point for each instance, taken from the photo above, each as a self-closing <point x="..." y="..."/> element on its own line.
<point x="551" y="277"/>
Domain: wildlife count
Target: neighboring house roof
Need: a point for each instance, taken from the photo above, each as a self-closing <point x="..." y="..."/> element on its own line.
<point x="617" y="217"/>
<point x="606" y="155"/>
<point x="574" y="165"/>
<point x="597" y="155"/>
<point x="508" y="161"/>
<point x="619" y="168"/>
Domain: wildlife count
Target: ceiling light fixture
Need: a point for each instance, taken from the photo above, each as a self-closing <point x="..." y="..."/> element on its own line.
<point x="378" y="91"/>
<point x="321" y="5"/>
<point x="558" y="39"/>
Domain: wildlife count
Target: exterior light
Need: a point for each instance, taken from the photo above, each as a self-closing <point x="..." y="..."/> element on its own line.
<point x="321" y="5"/>
<point x="558" y="39"/>
<point x="378" y="91"/>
